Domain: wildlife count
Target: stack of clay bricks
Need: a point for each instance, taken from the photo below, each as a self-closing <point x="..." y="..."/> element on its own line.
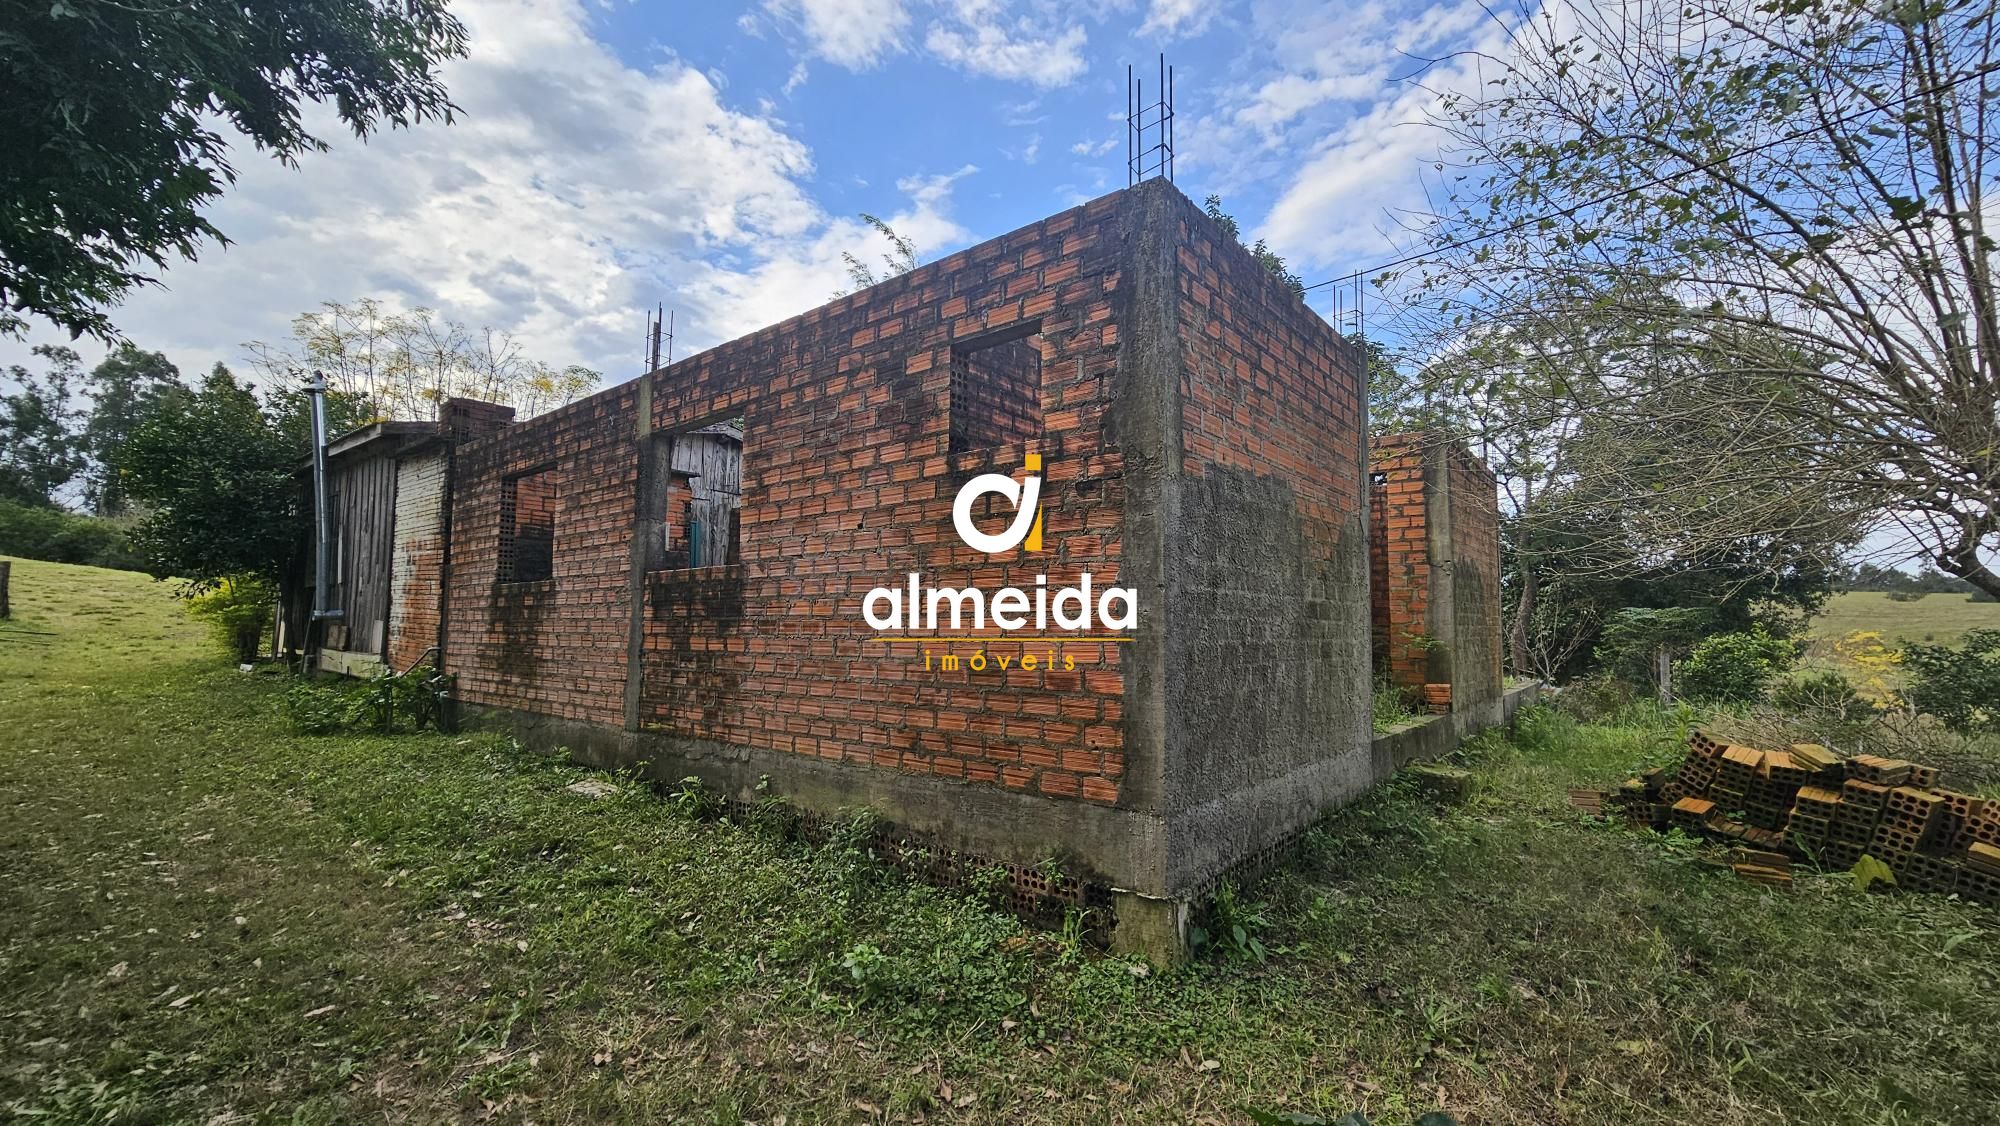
<point x="1808" y="802"/>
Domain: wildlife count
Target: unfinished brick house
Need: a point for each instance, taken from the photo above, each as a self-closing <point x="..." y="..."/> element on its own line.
<point x="1434" y="570"/>
<point x="672" y="572"/>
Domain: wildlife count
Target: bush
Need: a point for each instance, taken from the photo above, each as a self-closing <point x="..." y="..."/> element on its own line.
<point x="1907" y="595"/>
<point x="1595" y="697"/>
<point x="1730" y="667"/>
<point x="237" y="611"/>
<point x="1826" y="694"/>
<point x="1959" y="685"/>
<point x="385" y="703"/>
<point x="1632" y="637"/>
<point x="1391" y="707"/>
<point x="319" y="709"/>
<point x="52" y="534"/>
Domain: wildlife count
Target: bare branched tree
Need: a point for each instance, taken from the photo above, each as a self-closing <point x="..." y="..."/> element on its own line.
<point x="406" y="364"/>
<point x="1732" y="257"/>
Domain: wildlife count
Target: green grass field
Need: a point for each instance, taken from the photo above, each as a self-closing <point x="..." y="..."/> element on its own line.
<point x="204" y="918"/>
<point x="1934" y="617"/>
<point x="1858" y="631"/>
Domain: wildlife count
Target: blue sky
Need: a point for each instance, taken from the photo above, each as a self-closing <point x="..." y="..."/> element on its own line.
<point x="713" y="157"/>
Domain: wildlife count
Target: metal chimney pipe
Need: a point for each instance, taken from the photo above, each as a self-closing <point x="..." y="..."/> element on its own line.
<point x="322" y="518"/>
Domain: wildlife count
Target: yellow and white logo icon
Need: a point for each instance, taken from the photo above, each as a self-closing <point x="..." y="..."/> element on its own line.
<point x="1025" y="496"/>
<point x="1041" y="608"/>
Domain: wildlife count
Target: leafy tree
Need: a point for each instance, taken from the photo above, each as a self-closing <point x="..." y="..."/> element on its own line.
<point x="125" y="387"/>
<point x="237" y="609"/>
<point x="1825" y="694"/>
<point x="1636" y="642"/>
<point x="1587" y="570"/>
<point x="290" y="408"/>
<point x="1395" y="401"/>
<point x="1266" y="257"/>
<point x="1958" y="684"/>
<point x="1780" y="209"/>
<point x="216" y="470"/>
<point x="36" y="531"/>
<point x="1607" y="473"/>
<point x="40" y="451"/>
<point x="115" y="114"/>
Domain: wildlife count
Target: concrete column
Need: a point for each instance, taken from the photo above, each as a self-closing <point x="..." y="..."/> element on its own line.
<point x="1154" y="928"/>
<point x="1441" y="661"/>
<point x="646" y="515"/>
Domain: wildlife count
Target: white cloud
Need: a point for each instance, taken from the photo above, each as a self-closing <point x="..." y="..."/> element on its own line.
<point x="1029" y="112"/>
<point x="1033" y="41"/>
<point x="572" y="193"/>
<point x="798" y="276"/>
<point x="1098" y="148"/>
<point x="856" y="34"/>
<point x="985" y="37"/>
<point x="1178" y="17"/>
<point x="1282" y="99"/>
<point x="1319" y="112"/>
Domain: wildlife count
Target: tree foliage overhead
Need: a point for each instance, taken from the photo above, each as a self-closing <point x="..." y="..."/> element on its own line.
<point x="1751" y="237"/>
<point x="1571" y="572"/>
<point x="1616" y="493"/>
<point x="113" y="118"/>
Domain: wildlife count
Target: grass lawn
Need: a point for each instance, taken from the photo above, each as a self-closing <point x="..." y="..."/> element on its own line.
<point x="204" y="918"/>
<point x="1858" y="631"/>
<point x="1934" y="617"/>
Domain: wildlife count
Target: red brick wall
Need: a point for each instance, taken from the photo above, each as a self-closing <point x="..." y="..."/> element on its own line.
<point x="556" y="648"/>
<point x="1424" y="481"/>
<point x="848" y="484"/>
<point x="417" y="565"/>
<point x="1399" y="558"/>
<point x="462" y="420"/>
<point x="1378" y="571"/>
<point x="418" y="559"/>
<point x="1269" y="390"/>
<point x="1265" y="662"/>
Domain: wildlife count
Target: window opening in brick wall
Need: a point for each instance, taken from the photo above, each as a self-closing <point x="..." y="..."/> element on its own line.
<point x="528" y="527"/>
<point x="700" y="511"/>
<point x="996" y="390"/>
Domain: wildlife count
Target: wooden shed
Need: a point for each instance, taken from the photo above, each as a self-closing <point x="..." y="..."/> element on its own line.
<point x="388" y="490"/>
<point x="361" y="493"/>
